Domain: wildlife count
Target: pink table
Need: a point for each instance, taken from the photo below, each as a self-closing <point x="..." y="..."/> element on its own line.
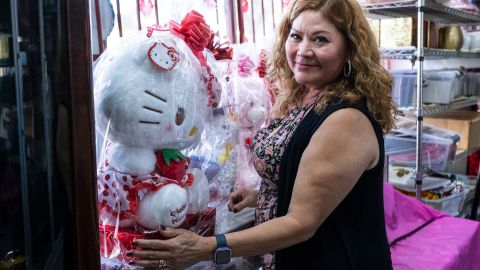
<point x="421" y="237"/>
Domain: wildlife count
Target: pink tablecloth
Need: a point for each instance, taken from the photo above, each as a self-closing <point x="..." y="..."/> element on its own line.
<point x="423" y="238"/>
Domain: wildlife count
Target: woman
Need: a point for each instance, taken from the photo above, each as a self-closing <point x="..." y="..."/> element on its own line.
<point x="320" y="205"/>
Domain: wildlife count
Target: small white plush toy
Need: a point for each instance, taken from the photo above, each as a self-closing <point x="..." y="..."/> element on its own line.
<point x="152" y="97"/>
<point x="252" y="111"/>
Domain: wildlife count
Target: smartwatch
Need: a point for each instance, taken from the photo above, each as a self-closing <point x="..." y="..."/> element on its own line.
<point x="223" y="254"/>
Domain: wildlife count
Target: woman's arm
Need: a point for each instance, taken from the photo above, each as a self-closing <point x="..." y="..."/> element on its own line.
<point x="342" y="148"/>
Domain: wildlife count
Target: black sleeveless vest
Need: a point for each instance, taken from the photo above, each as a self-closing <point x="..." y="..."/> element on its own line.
<point x="353" y="236"/>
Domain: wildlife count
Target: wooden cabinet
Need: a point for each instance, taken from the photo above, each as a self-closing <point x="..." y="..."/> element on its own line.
<point x="47" y="160"/>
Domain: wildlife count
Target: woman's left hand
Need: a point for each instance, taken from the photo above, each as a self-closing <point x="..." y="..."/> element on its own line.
<point x="181" y="249"/>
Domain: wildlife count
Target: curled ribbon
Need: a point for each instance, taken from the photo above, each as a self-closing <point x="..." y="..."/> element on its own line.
<point x="220" y="51"/>
<point x="194" y="31"/>
<point x="245" y="66"/>
<point x="262" y="65"/>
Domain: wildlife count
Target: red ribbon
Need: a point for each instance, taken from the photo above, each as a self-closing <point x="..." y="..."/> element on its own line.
<point x="133" y="192"/>
<point x="262" y="65"/>
<point x="194" y="31"/>
<point x="220" y="51"/>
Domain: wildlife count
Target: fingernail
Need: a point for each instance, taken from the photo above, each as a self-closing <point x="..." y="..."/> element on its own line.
<point x="129" y="254"/>
<point x="131" y="263"/>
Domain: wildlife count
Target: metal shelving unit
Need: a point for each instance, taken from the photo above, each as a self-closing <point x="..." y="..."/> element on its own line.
<point x="438" y="108"/>
<point x="432" y="11"/>
<point x="424" y="10"/>
<point x="410" y="53"/>
<point x="429" y="109"/>
<point x="464" y="154"/>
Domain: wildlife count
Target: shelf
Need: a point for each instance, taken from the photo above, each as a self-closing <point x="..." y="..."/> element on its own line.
<point x="7" y="71"/>
<point x="464" y="154"/>
<point x="433" y="11"/>
<point x="410" y="53"/>
<point x="429" y="109"/>
<point x="4" y="63"/>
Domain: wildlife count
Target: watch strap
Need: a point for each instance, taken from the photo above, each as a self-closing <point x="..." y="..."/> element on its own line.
<point x="221" y="241"/>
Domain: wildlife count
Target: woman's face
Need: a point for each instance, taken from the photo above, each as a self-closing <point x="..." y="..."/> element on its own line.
<point x="316" y="50"/>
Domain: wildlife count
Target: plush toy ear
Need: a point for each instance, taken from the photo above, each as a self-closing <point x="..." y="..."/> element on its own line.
<point x="140" y="53"/>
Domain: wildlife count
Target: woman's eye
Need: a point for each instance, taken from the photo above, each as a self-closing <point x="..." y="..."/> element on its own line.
<point x="295" y="36"/>
<point x="320" y="39"/>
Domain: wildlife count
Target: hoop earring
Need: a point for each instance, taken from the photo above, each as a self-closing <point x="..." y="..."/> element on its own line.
<point x="347" y="69"/>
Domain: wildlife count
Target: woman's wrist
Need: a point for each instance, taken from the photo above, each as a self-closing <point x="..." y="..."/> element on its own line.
<point x="209" y="247"/>
<point x="255" y="194"/>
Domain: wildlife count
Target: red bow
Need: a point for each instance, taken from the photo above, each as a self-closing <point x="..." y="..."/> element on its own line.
<point x="194" y="31"/>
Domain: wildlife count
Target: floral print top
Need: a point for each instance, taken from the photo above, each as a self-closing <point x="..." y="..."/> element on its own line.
<point x="268" y="147"/>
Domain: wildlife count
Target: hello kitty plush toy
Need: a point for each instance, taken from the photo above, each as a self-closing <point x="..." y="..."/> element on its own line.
<point x="152" y="97"/>
<point x="252" y="111"/>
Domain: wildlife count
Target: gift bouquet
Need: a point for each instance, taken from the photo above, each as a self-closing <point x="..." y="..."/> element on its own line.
<point x="153" y="96"/>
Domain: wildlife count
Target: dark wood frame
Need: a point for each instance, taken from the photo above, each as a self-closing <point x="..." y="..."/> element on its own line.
<point x="85" y="217"/>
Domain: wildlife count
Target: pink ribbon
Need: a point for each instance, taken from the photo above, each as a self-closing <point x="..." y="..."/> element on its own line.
<point x="245" y="66"/>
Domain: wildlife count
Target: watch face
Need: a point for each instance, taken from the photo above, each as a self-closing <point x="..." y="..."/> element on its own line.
<point x="223" y="256"/>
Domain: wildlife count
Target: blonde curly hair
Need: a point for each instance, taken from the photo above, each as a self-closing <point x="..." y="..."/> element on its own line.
<point x="368" y="81"/>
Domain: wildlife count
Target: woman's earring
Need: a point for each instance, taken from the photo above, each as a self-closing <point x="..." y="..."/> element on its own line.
<point x="347" y="69"/>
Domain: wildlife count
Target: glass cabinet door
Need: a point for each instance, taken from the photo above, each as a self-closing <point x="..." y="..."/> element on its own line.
<point x="38" y="216"/>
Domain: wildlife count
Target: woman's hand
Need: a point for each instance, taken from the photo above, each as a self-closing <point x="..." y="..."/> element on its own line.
<point x="242" y="198"/>
<point x="181" y="249"/>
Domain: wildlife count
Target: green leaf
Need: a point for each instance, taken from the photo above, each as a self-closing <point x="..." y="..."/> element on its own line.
<point x="169" y="154"/>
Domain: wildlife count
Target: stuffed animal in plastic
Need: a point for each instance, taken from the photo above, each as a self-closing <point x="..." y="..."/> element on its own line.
<point x="217" y="157"/>
<point x="252" y="111"/>
<point x="152" y="97"/>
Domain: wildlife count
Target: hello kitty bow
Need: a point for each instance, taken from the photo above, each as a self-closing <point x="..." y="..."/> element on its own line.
<point x="196" y="33"/>
<point x="193" y="30"/>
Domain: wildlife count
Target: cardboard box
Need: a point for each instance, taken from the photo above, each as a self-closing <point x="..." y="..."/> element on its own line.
<point x="402" y="32"/>
<point x="466" y="123"/>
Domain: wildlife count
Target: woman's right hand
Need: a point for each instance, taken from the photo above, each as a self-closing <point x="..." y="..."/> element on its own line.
<point x="242" y="198"/>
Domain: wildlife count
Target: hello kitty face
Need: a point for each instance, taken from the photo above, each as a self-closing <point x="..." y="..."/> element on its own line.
<point x="163" y="56"/>
<point x="139" y="105"/>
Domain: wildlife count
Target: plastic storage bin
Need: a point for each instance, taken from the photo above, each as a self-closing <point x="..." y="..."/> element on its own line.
<point x="404" y="91"/>
<point x="440" y="86"/>
<point x="452" y="204"/>
<point x="438" y="145"/>
<point x="436" y="152"/>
